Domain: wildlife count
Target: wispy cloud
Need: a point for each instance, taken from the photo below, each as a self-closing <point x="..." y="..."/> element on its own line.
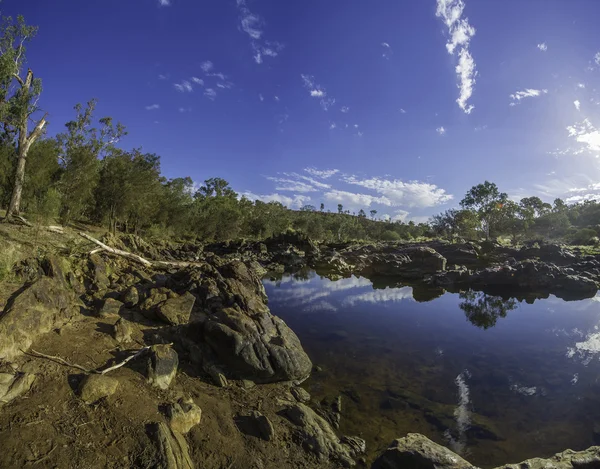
<point x="210" y="94"/>
<point x="581" y="85"/>
<point x="597" y="58"/>
<point x="577" y="104"/>
<point x="261" y="97"/>
<point x="290" y="185"/>
<point x="387" y="51"/>
<point x="587" y="135"/>
<point x="527" y="93"/>
<point x="461" y="33"/>
<point x="345" y="109"/>
<point x="253" y="25"/>
<point x="183" y="87"/>
<point x="295" y="201"/>
<point x="164" y="3"/>
<point x="355" y="200"/>
<point x="152" y="107"/>
<point x="400" y="193"/>
<point x="543" y="47"/>
<point x="162" y="77"/>
<point x="332" y="125"/>
<point x="324" y="174"/>
<point x="207" y="66"/>
<point x="317" y="91"/>
<point x="402" y="111"/>
<point x="198" y="81"/>
<point x="441" y="130"/>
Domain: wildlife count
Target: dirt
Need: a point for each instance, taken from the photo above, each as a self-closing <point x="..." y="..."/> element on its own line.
<point x="52" y="427"/>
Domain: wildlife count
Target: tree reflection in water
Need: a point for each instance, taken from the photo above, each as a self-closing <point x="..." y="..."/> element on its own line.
<point x="483" y="310"/>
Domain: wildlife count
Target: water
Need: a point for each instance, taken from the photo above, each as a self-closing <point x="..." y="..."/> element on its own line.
<point x="496" y="380"/>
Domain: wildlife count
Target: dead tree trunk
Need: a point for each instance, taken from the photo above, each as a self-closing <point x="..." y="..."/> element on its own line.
<point x="25" y="141"/>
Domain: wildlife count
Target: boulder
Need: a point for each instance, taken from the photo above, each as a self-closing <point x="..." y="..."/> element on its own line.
<point x="356" y="445"/>
<point x="173" y="450"/>
<point x="569" y="459"/>
<point x="300" y="394"/>
<point x="98" y="272"/>
<point x="96" y="387"/>
<point x="122" y="331"/>
<point x="256" y="424"/>
<point x="162" y="365"/>
<point x="131" y="297"/>
<point x="14" y="385"/>
<point x="45" y="305"/>
<point x="317" y="436"/>
<point x="110" y="307"/>
<point x="416" y="451"/>
<point x="176" y="310"/>
<point x="183" y="415"/>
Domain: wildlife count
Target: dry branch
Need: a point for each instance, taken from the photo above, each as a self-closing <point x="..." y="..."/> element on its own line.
<point x="135" y="257"/>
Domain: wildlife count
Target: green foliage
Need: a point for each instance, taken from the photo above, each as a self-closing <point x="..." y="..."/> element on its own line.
<point x="8" y="258"/>
<point x="584" y="237"/>
<point x="390" y="236"/>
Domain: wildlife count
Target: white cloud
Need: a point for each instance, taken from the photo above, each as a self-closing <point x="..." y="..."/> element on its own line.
<point x="276" y="98"/>
<point x="402" y="111"/>
<point x="597" y="58"/>
<point x="378" y="296"/>
<point x="580" y="85"/>
<point x="527" y="93"/>
<point x="387" y="51"/>
<point x="543" y="47"/>
<point x="327" y="103"/>
<point x="324" y="174"/>
<point x="582" y="198"/>
<point x="461" y="33"/>
<point x="291" y="185"/>
<point x="317" y="93"/>
<point x="253" y="25"/>
<point x="210" y="94"/>
<point x="577" y="104"/>
<point x="164" y="3"/>
<point x="152" y="107"/>
<point x="181" y="109"/>
<point x="400" y="215"/>
<point x="332" y="125"/>
<point x="586" y="134"/>
<point x="355" y="200"/>
<point x="261" y="97"/>
<point x="296" y="201"/>
<point x="198" y="81"/>
<point x="345" y="109"/>
<point x="207" y="66"/>
<point x="410" y="194"/>
<point x="441" y="130"/>
<point x="162" y="77"/>
<point x="183" y="87"/>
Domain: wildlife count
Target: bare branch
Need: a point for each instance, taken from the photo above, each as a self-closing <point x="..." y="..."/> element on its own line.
<point x="19" y="79"/>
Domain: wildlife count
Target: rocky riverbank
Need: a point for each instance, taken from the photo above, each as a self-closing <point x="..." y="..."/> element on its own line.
<point x="108" y="362"/>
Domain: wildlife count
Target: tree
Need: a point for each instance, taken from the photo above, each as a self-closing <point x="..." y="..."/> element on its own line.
<point x="81" y="149"/>
<point x="322" y="207"/>
<point x="308" y="208"/>
<point x="340" y="208"/>
<point x="17" y="106"/>
<point x="483" y="310"/>
<point x="486" y="200"/>
<point x="215" y="187"/>
<point x="362" y="214"/>
<point x="373" y="213"/>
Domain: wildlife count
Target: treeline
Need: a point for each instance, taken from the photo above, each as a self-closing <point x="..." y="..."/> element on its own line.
<point x="488" y="213"/>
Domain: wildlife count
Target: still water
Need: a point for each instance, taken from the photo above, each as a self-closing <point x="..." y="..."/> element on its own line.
<point x="496" y="380"/>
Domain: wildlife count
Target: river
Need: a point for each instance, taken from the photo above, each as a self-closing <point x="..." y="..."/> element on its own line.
<point x="496" y="380"/>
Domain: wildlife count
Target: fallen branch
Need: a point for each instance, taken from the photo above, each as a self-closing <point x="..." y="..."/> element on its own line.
<point x="135" y="257"/>
<point x="62" y="361"/>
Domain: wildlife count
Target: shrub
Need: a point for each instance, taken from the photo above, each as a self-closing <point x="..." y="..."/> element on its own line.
<point x="390" y="236"/>
<point x="585" y="236"/>
<point x="8" y="258"/>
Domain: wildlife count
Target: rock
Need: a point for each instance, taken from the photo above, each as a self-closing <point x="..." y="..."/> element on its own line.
<point x="416" y="451"/>
<point x="216" y="375"/>
<point x="162" y="366"/>
<point x="173" y="451"/>
<point x="131" y="297"/>
<point x="183" y="415"/>
<point x="569" y="459"/>
<point x="248" y="384"/>
<point x="95" y="387"/>
<point x="110" y="307"/>
<point x="41" y="307"/>
<point x="331" y="411"/>
<point x="356" y="445"/>
<point x="14" y="385"/>
<point x="177" y="310"/>
<point x="317" y="436"/>
<point x="256" y="424"/>
<point x="122" y="331"/>
<point x="300" y="394"/>
<point x="98" y="272"/>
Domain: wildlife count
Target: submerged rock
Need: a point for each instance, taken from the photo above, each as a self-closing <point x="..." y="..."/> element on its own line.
<point x="416" y="451"/>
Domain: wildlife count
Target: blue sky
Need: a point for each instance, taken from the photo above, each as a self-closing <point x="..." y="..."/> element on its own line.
<point x="397" y="106"/>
